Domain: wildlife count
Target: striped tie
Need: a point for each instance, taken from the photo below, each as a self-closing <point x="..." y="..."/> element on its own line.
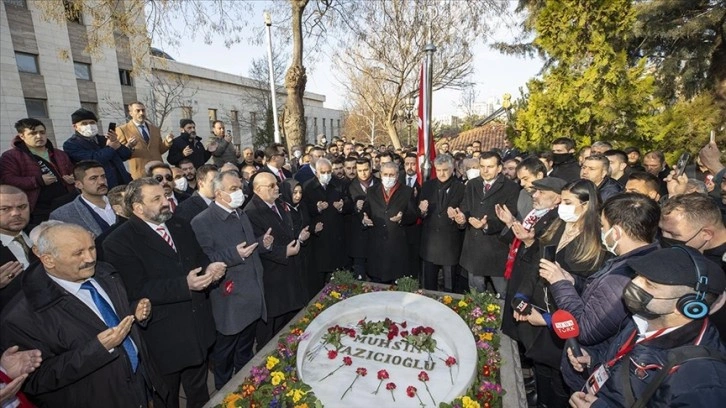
<point x="165" y="236"/>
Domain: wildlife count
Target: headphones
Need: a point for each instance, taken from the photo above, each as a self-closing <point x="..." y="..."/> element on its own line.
<point x="693" y="305"/>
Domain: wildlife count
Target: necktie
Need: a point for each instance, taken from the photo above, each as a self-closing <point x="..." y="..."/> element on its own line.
<point x="144" y="133"/>
<point x="165" y="236"/>
<point x="282" y="175"/>
<point x="274" y="208"/>
<point x="487" y="187"/>
<point x="21" y="398"/>
<point x="410" y="181"/>
<point x="21" y="241"/>
<point x="172" y="204"/>
<point x="111" y="320"/>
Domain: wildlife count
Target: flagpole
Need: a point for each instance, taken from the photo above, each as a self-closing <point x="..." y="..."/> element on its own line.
<point x="427" y="92"/>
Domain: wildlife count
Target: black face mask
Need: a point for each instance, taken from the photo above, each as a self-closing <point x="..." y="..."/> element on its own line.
<point x="636" y="300"/>
<point x="670" y="242"/>
<point x="559" y="158"/>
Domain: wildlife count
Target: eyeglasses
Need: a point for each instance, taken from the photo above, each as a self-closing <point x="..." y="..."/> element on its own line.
<point x="161" y="178"/>
<point x="269" y="186"/>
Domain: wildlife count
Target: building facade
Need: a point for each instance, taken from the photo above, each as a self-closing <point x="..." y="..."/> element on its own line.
<point x="46" y="73"/>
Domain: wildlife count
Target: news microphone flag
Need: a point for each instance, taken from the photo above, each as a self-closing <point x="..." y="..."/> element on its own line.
<point x="566" y="328"/>
<point x="422" y="121"/>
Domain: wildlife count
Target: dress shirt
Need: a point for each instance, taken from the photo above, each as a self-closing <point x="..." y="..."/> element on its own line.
<point x="106" y="213"/>
<point x="16" y="249"/>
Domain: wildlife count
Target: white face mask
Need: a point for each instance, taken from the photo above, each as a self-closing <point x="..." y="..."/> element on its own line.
<point x="472" y="174"/>
<point x="297" y="154"/>
<point x="388" y="182"/>
<point x="181" y="184"/>
<point x="603" y="238"/>
<point x="88" y="130"/>
<point x="236" y="197"/>
<point x="325" y="179"/>
<point x="567" y="213"/>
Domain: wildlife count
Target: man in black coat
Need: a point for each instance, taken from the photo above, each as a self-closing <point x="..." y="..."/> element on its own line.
<point x="92" y="350"/>
<point x="409" y="177"/>
<point x="565" y="165"/>
<point x="189" y="146"/>
<point x="441" y="239"/>
<point x="200" y="200"/>
<point x="159" y="258"/>
<point x="15" y="253"/>
<point x="358" y="239"/>
<point x="388" y="209"/>
<point x="327" y="202"/>
<point x="483" y="253"/>
<point x="285" y="292"/>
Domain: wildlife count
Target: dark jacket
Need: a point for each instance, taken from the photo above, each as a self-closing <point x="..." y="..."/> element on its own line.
<point x="483" y="253"/>
<point x="358" y="237"/>
<point x="329" y="248"/>
<point x="191" y="207"/>
<point x="608" y="188"/>
<point x="13" y="288"/>
<point x="183" y="329"/>
<point x="387" y="248"/>
<point x="199" y="155"/>
<point x="304" y="174"/>
<point x="81" y="148"/>
<point x="266" y="169"/>
<point x="441" y="238"/>
<point x="695" y="383"/>
<point x="19" y="168"/>
<point x="225" y="152"/>
<point x="77" y="371"/>
<point x="569" y="170"/>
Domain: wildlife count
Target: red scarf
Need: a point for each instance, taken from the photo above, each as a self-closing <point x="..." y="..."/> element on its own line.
<point x="528" y="224"/>
<point x="24" y="402"/>
<point x="387" y="197"/>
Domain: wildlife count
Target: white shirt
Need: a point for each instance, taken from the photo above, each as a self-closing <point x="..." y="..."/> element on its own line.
<point x="206" y="200"/>
<point x="106" y="213"/>
<point x="410" y="180"/>
<point x="155" y="226"/>
<point x="16" y="249"/>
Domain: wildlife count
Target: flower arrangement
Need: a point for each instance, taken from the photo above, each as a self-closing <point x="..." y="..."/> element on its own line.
<point x="275" y="382"/>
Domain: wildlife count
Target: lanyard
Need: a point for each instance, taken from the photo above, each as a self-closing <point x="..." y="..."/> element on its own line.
<point x="629" y="345"/>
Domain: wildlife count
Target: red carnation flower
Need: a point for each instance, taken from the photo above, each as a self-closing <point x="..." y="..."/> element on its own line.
<point x="347" y="361"/>
<point x="361" y="371"/>
<point x="382" y="375"/>
<point x="390" y="386"/>
<point x="411" y="391"/>
<point x="450" y="361"/>
<point x="332" y="354"/>
<point x="422" y="376"/>
<point x="404" y="333"/>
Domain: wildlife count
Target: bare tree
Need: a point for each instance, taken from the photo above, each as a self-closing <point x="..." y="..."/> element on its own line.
<point x="381" y="60"/>
<point x="467" y="101"/>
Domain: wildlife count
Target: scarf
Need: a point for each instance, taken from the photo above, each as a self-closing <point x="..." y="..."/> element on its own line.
<point x="528" y="223"/>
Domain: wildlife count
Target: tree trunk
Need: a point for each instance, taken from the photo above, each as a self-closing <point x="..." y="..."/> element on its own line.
<point x="393" y="134"/>
<point x="295" y="80"/>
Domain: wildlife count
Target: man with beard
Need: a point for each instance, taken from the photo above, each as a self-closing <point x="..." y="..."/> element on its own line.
<point x="189" y="146"/>
<point x="162" y="173"/>
<point x="440" y="237"/>
<point x="529" y="170"/>
<point x="15" y="253"/>
<point x="668" y="354"/>
<point x="358" y="238"/>
<point x="190" y="173"/>
<point x="564" y="162"/>
<point x="226" y="235"/>
<point x="509" y="169"/>
<point x="339" y="168"/>
<point x="284" y="286"/>
<point x="349" y="168"/>
<point x="87" y="144"/>
<point x="159" y="258"/>
<point x="225" y="151"/>
<point x="143" y="138"/>
<point x="409" y="177"/>
<point x="327" y="201"/>
<point x="91" y="209"/>
<point x="386" y="211"/>
<point x="77" y="314"/>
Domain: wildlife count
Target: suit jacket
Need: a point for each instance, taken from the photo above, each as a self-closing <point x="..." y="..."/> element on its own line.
<point x="77" y="371"/>
<point x="284" y="287"/>
<point x="387" y="247"/>
<point x="483" y="253"/>
<point x="80" y="148"/>
<point x="329" y="251"/>
<point x="237" y="299"/>
<point x="13" y="288"/>
<point x="266" y="169"/>
<point x="100" y="238"/>
<point x="358" y="239"/>
<point x="304" y="174"/>
<point x="77" y="213"/>
<point x="441" y="238"/>
<point x="144" y="152"/>
<point x="191" y="207"/>
<point x="182" y="329"/>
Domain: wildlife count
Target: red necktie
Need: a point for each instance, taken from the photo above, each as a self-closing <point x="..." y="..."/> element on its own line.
<point x="165" y="236"/>
<point x="274" y="208"/>
<point x="487" y="187"/>
<point x="24" y="402"/>
<point x="172" y="204"/>
<point x="282" y="175"/>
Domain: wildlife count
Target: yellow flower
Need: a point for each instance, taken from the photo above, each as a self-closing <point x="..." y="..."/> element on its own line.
<point x="277" y="377"/>
<point x="492" y="308"/>
<point x="304" y="320"/>
<point x="335" y="294"/>
<point x="469" y="403"/>
<point x="305" y="405"/>
<point x="479" y="320"/>
<point x="486" y="337"/>
<point x="230" y="399"/>
<point x="447" y="299"/>
<point x="319" y="305"/>
<point x="463" y="304"/>
<point x="271" y="362"/>
<point x="296" y="395"/>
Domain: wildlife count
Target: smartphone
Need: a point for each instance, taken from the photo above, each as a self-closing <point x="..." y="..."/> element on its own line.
<point x="549" y="253"/>
<point x="112" y="127"/>
<point x="682" y="162"/>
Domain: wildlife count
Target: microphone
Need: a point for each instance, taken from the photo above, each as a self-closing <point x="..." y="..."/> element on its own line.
<point x="521" y="306"/>
<point x="567" y="329"/>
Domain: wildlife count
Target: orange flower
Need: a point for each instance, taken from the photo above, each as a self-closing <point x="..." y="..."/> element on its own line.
<point x="230" y="399"/>
<point x="247" y="390"/>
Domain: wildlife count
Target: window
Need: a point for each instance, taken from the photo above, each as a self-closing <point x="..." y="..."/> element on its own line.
<point x="324" y="132"/>
<point x="253" y="120"/>
<point x="125" y="77"/>
<point x="27" y="62"/>
<point x="212" y="115"/>
<point x="91" y="106"/>
<point x="36" y="108"/>
<point x="315" y="127"/>
<point x="233" y="117"/>
<point x="186" y="112"/>
<point x="83" y="71"/>
<point x="332" y="130"/>
<point x="16" y="3"/>
<point x="338" y="127"/>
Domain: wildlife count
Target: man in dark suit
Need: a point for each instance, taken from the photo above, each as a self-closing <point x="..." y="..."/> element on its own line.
<point x="159" y="257"/>
<point x="388" y="209"/>
<point x="275" y="159"/>
<point x="200" y="200"/>
<point x="77" y="313"/>
<point x="226" y="235"/>
<point x="327" y="202"/>
<point x="358" y="239"/>
<point x="409" y="176"/>
<point x="483" y="253"/>
<point x="165" y="177"/>
<point x="285" y="292"/>
<point x="441" y="239"/>
<point x="15" y="253"/>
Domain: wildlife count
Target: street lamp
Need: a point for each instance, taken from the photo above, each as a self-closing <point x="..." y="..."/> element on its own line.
<point x="406" y="115"/>
<point x="273" y="91"/>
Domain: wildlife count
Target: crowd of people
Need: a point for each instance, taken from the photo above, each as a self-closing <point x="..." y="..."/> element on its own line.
<point x="135" y="283"/>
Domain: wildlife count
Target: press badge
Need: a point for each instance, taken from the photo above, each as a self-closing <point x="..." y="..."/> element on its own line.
<point x="596" y="380"/>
